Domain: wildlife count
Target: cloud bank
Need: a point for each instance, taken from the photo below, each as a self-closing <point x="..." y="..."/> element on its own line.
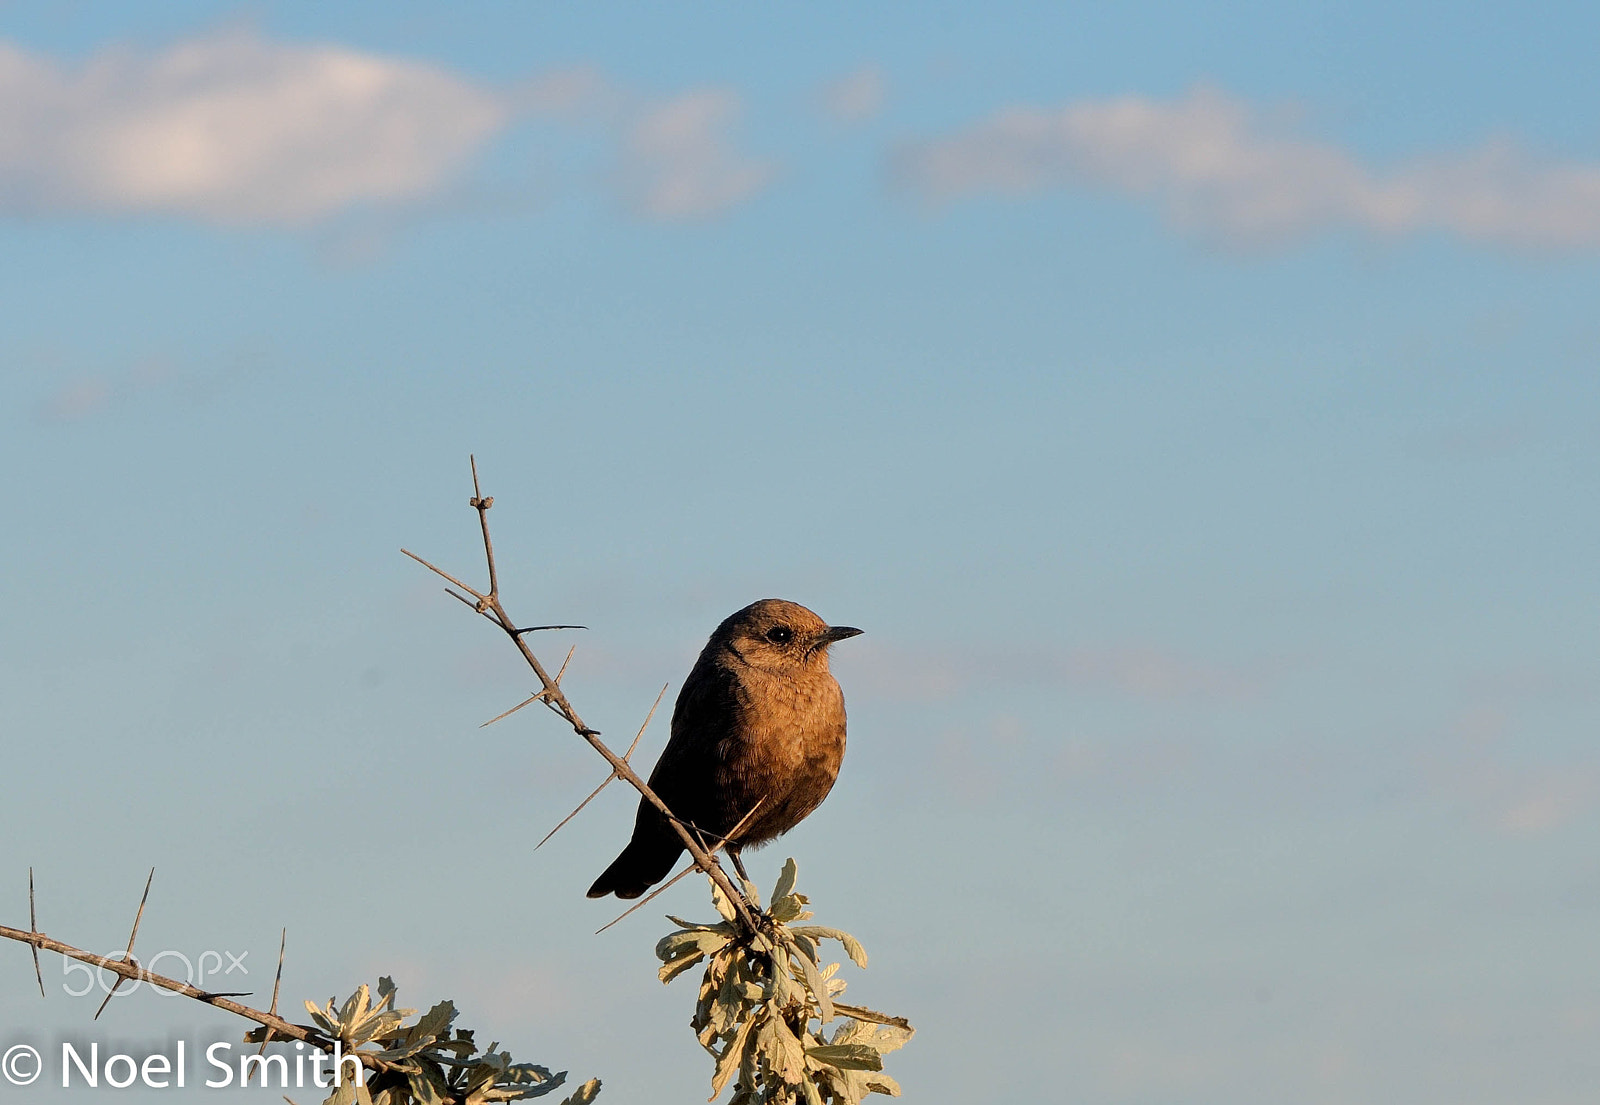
<point x="236" y="128"/>
<point x="1218" y="166"/>
<point x="232" y="128"/>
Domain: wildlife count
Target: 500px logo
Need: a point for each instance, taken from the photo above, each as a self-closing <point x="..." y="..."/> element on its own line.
<point x="195" y="972"/>
<point x="21" y="1065"/>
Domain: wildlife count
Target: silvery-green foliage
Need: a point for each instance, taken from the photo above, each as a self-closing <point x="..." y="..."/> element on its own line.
<point x="426" y="1062"/>
<point x="764" y="999"/>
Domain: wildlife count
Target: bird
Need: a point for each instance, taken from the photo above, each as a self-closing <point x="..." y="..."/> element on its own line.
<point x="758" y="735"/>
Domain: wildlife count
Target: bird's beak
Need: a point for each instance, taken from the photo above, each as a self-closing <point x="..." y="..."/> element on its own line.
<point x="839" y="633"/>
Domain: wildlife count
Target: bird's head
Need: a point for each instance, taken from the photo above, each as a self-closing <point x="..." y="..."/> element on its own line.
<point x="775" y="633"/>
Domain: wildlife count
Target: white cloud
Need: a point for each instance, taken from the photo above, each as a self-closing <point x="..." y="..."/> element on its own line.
<point x="856" y="97"/>
<point x="677" y="161"/>
<point x="1217" y="165"/>
<point x="236" y="128"/>
<point x="232" y="128"/>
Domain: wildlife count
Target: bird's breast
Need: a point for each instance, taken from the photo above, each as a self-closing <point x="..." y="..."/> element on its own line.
<point x="785" y="754"/>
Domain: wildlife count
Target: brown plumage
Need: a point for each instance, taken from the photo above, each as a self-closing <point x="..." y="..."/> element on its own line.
<point x="759" y="725"/>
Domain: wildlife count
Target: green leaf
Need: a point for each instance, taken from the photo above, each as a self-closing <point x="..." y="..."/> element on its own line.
<point x="791" y="1055"/>
<point x="584" y="1093"/>
<point x="816" y="984"/>
<point x="729" y="1061"/>
<point x="435" y="1022"/>
<point x="786" y="878"/>
<point x="782" y="984"/>
<point x="540" y="1090"/>
<point x="355" y="1009"/>
<point x="696" y="926"/>
<point x="376" y="1026"/>
<point x="847" y="1056"/>
<point x="327" y="1020"/>
<point x="852" y="946"/>
<point x="695" y="942"/>
<point x="729" y="1004"/>
<point x="425" y="1089"/>
<point x="882" y="1083"/>
<point x="723" y="904"/>
<point x="750" y="892"/>
<point x="788" y="908"/>
<point x="672" y="970"/>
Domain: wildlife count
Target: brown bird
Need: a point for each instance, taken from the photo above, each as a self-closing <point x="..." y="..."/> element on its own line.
<point x="759" y="726"/>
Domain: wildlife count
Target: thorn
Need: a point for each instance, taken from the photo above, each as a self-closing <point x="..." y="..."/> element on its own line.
<point x="564" y="664"/>
<point x="650" y="897"/>
<point x="128" y="955"/>
<point x="109" y="994"/>
<point x="33" y="928"/>
<point x="137" y="917"/>
<point x="441" y="572"/>
<point x="266" y="1039"/>
<point x="525" y="702"/>
<point x="537" y="628"/>
<point x="576" y="812"/>
<point x="646" y="724"/>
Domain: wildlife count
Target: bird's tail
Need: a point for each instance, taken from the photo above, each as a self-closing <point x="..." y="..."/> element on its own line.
<point x="641" y="864"/>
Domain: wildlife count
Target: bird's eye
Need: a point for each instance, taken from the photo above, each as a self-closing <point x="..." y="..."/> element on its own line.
<point x="780" y="634"/>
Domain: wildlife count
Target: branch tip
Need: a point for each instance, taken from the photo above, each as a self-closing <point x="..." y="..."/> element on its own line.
<point x="489" y="605"/>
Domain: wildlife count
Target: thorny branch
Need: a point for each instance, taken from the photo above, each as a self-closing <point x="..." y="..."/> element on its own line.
<point x="129" y="969"/>
<point x="607" y="781"/>
<point x="462" y="1079"/>
<point x="489" y="605"/>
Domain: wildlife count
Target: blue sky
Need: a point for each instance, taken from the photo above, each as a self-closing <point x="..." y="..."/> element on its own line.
<point x="1196" y="406"/>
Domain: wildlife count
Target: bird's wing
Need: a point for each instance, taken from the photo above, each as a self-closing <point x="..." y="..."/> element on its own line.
<point x="686" y="776"/>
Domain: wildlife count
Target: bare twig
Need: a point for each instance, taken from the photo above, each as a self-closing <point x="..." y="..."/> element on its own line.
<point x="128" y="955"/>
<point x="33" y="927"/>
<point x="482" y="506"/>
<point x="607" y="780"/>
<point x="489" y="605"/>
